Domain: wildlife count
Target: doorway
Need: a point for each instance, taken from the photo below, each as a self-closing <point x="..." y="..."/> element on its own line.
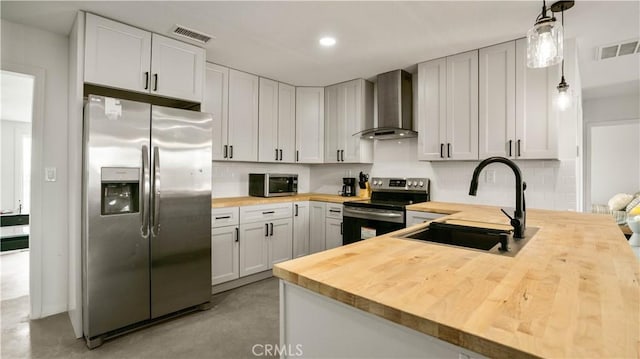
<point x="16" y="116"/>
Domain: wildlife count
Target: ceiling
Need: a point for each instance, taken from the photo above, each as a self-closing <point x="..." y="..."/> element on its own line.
<point x="279" y="40"/>
<point x="16" y="96"/>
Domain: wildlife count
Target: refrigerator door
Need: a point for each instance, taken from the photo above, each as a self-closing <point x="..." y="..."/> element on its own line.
<point x="115" y="203"/>
<point x="180" y="210"/>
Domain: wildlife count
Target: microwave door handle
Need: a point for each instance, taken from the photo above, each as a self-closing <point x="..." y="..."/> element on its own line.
<point x="155" y="225"/>
<point x="144" y="192"/>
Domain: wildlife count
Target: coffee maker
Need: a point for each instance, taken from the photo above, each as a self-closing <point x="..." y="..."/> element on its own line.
<point x="348" y="187"/>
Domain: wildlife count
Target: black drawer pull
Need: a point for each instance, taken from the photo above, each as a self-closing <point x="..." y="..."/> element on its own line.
<point x="223" y="217"/>
<point x="335" y="210"/>
<point x="269" y="212"/>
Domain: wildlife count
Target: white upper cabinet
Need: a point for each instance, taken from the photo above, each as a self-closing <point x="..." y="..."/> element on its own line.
<point x="243" y="116"/>
<point x="462" y="106"/>
<point x="497" y="120"/>
<point x="432" y="109"/>
<point x="309" y="124"/>
<point x="287" y="122"/>
<point x="177" y="69"/>
<point x="348" y="110"/>
<point x="215" y="101"/>
<point x="125" y="57"/>
<point x="448" y="108"/>
<point x="276" y="122"/>
<point x="268" y="121"/>
<point x="536" y="117"/>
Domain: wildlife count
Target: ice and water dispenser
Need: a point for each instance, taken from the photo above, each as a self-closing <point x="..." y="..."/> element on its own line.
<point x="120" y="190"/>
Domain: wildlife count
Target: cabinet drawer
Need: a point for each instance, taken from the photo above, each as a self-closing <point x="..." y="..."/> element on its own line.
<point x="265" y="212"/>
<point x="415" y="217"/>
<point x="227" y="216"/>
<point x="334" y="210"/>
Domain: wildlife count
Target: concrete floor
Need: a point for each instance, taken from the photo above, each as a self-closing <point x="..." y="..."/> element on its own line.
<point x="238" y="320"/>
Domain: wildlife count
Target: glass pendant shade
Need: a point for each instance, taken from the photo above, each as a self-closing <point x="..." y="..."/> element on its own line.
<point x="563" y="100"/>
<point x="544" y="44"/>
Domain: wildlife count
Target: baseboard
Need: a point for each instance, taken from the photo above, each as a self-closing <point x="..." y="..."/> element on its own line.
<point x="223" y="287"/>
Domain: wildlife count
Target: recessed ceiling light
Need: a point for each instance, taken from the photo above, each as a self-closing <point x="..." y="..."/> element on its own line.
<point x="327" y="41"/>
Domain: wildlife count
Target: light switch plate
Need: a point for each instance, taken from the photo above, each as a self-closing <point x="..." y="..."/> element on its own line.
<point x="50" y="174"/>
<point x="490" y="176"/>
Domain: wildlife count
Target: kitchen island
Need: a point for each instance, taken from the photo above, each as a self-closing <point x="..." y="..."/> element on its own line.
<point x="572" y="291"/>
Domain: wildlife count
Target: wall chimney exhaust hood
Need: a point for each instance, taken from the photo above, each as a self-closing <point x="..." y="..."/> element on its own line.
<point x="395" y="107"/>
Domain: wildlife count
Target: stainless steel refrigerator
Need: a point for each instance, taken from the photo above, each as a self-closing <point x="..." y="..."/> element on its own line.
<point x="146" y="214"/>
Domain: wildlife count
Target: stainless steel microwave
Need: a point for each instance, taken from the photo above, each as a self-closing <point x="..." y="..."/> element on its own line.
<point x="272" y="184"/>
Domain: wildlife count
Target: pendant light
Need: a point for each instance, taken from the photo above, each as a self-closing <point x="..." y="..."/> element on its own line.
<point x="564" y="92"/>
<point x="544" y="41"/>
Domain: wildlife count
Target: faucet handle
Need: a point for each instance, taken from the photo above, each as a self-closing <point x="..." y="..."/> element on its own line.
<point x="507" y="210"/>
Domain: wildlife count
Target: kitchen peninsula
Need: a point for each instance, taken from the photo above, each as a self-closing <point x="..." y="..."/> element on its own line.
<point x="572" y="291"/>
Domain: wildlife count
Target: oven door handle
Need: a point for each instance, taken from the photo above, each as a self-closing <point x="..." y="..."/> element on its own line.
<point x="371" y="214"/>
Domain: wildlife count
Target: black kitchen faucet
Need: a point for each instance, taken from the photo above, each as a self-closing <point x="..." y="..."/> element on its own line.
<point x="519" y="218"/>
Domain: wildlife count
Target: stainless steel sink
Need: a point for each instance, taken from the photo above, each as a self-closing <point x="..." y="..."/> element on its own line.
<point x="490" y="240"/>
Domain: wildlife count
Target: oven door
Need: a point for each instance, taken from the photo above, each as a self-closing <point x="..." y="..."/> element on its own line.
<point x="363" y="223"/>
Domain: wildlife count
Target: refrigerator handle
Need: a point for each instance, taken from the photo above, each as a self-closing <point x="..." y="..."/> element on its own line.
<point x="155" y="225"/>
<point x="144" y="192"/>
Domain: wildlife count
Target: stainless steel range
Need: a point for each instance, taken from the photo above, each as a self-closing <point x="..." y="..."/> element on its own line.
<point x="385" y="212"/>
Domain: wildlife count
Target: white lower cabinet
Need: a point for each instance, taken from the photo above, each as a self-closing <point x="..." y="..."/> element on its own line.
<point x="301" y="229"/>
<point x="416" y="217"/>
<point x="254" y="248"/>
<point x="333" y="232"/>
<point x="280" y="241"/>
<point x="225" y="251"/>
<point x="317" y="226"/>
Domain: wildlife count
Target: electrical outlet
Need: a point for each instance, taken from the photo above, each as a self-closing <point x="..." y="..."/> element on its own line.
<point x="490" y="176"/>
<point x="50" y="174"/>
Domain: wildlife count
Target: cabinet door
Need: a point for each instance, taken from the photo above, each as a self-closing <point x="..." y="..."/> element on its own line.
<point x="351" y="119"/>
<point x="215" y="101"/>
<point x="117" y="55"/>
<point x="333" y="233"/>
<point x="268" y="121"/>
<point x="332" y="123"/>
<point x="316" y="227"/>
<point x="497" y="118"/>
<point x="462" y="106"/>
<point x="300" y="229"/>
<point x="432" y="109"/>
<point x="177" y="69"/>
<point x="287" y="122"/>
<point x="536" y="117"/>
<point x="243" y="116"/>
<point x="280" y="241"/>
<point x="254" y="248"/>
<point x="225" y="254"/>
<point x="309" y="124"/>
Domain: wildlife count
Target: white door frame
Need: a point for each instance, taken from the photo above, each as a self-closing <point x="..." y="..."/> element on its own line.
<point x="35" y="214"/>
<point x="587" y="154"/>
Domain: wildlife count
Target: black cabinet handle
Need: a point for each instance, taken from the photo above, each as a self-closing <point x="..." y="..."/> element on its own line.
<point x="510" y="144"/>
<point x="297" y="156"/>
<point x="276" y="154"/>
<point x="269" y="212"/>
<point x="281" y="154"/>
<point x="226" y="151"/>
<point x="342" y="155"/>
<point x="237" y="235"/>
<point x="146" y="80"/>
<point x="519" y="154"/>
<point x="442" y="150"/>
<point x="296" y="210"/>
<point x="271" y="224"/>
<point x="155" y="86"/>
<point x="341" y="228"/>
<point x="449" y="150"/>
<point x="223" y="217"/>
<point x="337" y="155"/>
<point x="335" y="210"/>
<point x="266" y="229"/>
<point x="231" y="151"/>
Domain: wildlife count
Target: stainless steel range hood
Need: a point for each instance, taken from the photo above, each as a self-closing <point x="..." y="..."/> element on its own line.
<point x="395" y="107"/>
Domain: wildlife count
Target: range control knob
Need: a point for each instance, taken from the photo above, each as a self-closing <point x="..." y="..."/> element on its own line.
<point x="415" y="183"/>
<point x="421" y="184"/>
<point x="409" y="184"/>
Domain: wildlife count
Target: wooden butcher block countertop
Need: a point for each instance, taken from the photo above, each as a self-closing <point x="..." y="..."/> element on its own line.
<point x="250" y="201"/>
<point x="571" y="292"/>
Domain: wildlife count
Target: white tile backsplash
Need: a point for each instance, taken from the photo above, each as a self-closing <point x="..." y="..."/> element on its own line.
<point x="231" y="179"/>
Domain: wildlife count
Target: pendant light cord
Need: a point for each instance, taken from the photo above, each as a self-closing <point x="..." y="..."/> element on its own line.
<point x="562" y="14"/>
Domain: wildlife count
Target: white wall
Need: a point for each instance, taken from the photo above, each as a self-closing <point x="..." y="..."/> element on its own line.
<point x="623" y="107"/>
<point x="615" y="160"/>
<point x="32" y="47"/>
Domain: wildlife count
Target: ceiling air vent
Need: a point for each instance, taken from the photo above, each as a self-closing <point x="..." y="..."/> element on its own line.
<point x="191" y="34"/>
<point x="624" y="48"/>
